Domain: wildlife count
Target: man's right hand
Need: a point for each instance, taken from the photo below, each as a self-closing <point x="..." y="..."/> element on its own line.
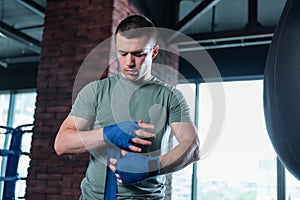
<point x="126" y="134"/>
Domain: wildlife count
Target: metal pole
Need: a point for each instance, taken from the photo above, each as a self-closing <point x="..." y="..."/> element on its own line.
<point x="196" y="117"/>
<point x="280" y="181"/>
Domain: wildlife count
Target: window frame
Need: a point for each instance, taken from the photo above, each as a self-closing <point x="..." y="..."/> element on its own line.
<point x="9" y="123"/>
<point x="280" y="169"/>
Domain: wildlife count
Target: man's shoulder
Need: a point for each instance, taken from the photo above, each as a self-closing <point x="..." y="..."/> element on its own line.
<point x="168" y="88"/>
<point x="162" y="84"/>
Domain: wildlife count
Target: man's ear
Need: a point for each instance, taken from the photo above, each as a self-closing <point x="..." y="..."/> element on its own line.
<point x="155" y="51"/>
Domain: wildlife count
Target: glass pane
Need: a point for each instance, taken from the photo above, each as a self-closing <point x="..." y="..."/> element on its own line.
<point x="4" y="138"/>
<point x="188" y="91"/>
<point x="24" y="108"/>
<point x="3" y="135"/>
<point x="182" y="183"/>
<point x="24" y="114"/>
<point x="292" y="186"/>
<point x="4" y="105"/>
<point x="26" y="142"/>
<point x="243" y="163"/>
<point x="182" y="180"/>
<point x="23" y="166"/>
<point x="20" y="189"/>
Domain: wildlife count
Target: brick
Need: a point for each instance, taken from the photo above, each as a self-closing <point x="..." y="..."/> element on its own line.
<point x="72" y="177"/>
<point x="37" y="182"/>
<point x="61" y="170"/>
<point x="58" y="109"/>
<point x="46" y="176"/>
<point x="70" y="191"/>
<point x="60" y="184"/>
<point x="61" y="197"/>
<point x="37" y="164"/>
<point x="32" y="195"/>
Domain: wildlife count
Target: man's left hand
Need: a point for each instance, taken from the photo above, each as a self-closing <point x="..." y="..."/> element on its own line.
<point x="133" y="167"/>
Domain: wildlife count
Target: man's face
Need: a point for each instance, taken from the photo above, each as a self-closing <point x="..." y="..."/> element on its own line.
<point x="135" y="57"/>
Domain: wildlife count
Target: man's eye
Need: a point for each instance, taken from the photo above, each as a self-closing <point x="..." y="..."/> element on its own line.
<point x="124" y="54"/>
<point x="139" y="54"/>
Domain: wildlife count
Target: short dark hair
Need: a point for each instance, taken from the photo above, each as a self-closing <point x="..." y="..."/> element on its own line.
<point x="135" y="26"/>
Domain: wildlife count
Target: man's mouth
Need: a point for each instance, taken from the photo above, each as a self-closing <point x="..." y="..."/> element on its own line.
<point x="131" y="72"/>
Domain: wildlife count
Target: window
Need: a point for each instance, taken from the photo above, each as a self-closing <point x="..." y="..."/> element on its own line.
<point x="292" y="186"/>
<point x="23" y="108"/>
<point x="4" y="105"/>
<point x="17" y="108"/>
<point x="182" y="180"/>
<point x="243" y="163"/>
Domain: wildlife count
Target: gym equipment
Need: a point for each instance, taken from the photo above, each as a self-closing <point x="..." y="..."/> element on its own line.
<point x="282" y="88"/>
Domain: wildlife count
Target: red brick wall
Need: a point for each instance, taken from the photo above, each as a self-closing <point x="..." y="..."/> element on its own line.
<point x="72" y="30"/>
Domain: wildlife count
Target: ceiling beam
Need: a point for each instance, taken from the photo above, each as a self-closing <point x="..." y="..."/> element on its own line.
<point x="23" y="59"/>
<point x="33" y="6"/>
<point x="228" y="39"/>
<point x="200" y="10"/>
<point x="15" y="34"/>
<point x="253" y="14"/>
<point x="232" y="33"/>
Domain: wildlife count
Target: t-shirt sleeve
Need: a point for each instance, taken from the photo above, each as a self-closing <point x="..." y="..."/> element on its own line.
<point x="179" y="110"/>
<point x="86" y="102"/>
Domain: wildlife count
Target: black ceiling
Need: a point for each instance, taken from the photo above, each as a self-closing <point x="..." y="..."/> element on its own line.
<point x="21" y="27"/>
<point x="215" y="24"/>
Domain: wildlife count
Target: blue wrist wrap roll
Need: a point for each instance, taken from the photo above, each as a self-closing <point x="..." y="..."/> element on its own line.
<point x="134" y="168"/>
<point x="121" y="134"/>
<point x="110" y="192"/>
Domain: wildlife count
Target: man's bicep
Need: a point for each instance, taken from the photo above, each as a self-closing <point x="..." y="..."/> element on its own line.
<point x="86" y="103"/>
<point x="76" y="123"/>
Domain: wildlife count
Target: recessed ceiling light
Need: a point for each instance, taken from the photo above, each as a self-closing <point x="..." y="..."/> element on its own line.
<point x="3" y="64"/>
<point x="2" y="35"/>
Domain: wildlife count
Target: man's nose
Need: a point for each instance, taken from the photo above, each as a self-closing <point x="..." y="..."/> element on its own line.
<point x="129" y="60"/>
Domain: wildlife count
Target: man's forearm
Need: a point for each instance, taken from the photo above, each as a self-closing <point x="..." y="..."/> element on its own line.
<point x="74" y="141"/>
<point x="180" y="156"/>
<point x="72" y="137"/>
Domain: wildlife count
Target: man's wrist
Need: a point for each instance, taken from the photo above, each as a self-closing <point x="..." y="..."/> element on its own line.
<point x="101" y="135"/>
<point x="121" y="134"/>
<point x="154" y="167"/>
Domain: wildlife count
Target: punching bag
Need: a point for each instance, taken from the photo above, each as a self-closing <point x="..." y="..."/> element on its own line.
<point x="282" y="88"/>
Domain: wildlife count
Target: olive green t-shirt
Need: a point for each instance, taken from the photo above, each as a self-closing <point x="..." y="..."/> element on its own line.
<point x="117" y="99"/>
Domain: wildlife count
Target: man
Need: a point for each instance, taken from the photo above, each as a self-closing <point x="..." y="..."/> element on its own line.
<point x="128" y="116"/>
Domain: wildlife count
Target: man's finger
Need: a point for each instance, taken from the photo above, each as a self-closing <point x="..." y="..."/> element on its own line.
<point x="144" y="134"/>
<point x="112" y="168"/>
<point x="141" y="141"/>
<point x="119" y="180"/>
<point x="118" y="177"/>
<point x="123" y="152"/>
<point x="113" y="161"/>
<point x="135" y="149"/>
<point x="145" y="125"/>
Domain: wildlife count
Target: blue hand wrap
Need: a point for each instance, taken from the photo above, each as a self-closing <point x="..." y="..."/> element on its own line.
<point x="134" y="168"/>
<point x="121" y="134"/>
<point x="111" y="180"/>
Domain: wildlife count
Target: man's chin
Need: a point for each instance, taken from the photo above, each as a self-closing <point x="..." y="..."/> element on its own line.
<point x="132" y="77"/>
